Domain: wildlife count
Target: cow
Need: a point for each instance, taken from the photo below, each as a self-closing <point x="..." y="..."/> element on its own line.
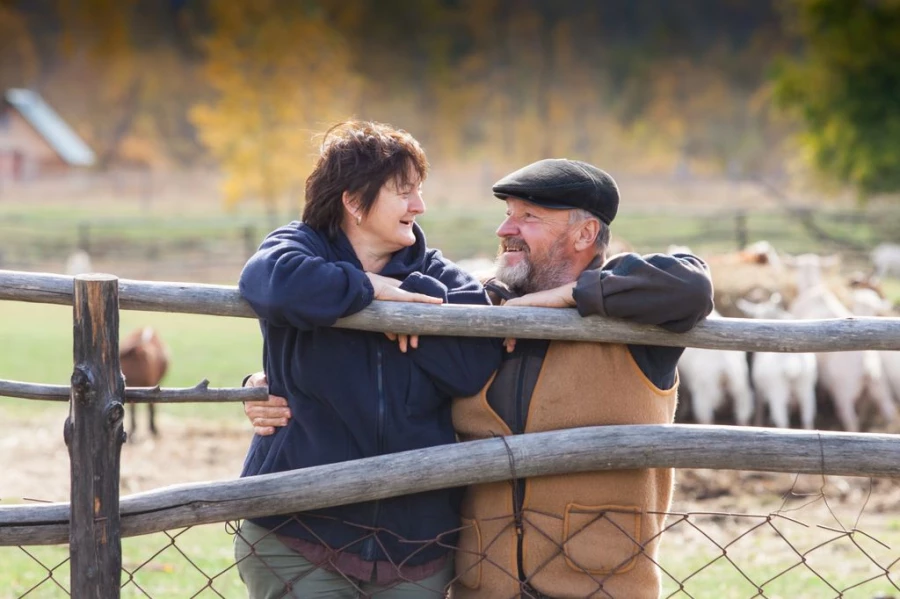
<point x="144" y="360"/>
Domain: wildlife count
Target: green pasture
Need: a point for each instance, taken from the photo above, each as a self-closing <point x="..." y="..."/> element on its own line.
<point x="712" y="561"/>
<point x="36" y="346"/>
<point x="460" y="231"/>
<point x="717" y="560"/>
<point x="195" y="562"/>
<point x="798" y="556"/>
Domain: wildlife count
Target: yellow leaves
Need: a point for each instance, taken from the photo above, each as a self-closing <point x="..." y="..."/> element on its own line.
<point x="278" y="77"/>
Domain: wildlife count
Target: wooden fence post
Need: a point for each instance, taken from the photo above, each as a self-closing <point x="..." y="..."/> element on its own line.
<point x="94" y="435"/>
<point x="84" y="236"/>
<point x="740" y="229"/>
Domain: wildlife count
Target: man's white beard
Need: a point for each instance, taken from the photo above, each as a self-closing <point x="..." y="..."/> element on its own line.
<point x="528" y="276"/>
<point x="516" y="276"/>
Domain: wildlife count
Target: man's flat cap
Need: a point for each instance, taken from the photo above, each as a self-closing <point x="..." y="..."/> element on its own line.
<point x="563" y="184"/>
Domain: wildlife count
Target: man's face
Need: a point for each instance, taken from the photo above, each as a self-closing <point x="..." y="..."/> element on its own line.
<point x="535" y="247"/>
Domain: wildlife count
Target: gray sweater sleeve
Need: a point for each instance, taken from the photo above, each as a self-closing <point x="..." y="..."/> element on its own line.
<point x="674" y="292"/>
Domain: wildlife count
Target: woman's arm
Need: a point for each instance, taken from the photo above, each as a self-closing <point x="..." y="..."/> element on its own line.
<point x="288" y="281"/>
<point x="458" y="366"/>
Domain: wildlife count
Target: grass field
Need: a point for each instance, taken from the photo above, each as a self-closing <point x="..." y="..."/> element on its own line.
<point x="36" y="346"/>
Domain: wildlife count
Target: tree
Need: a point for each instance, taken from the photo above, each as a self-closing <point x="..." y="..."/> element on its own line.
<point x="279" y="75"/>
<point x="845" y="88"/>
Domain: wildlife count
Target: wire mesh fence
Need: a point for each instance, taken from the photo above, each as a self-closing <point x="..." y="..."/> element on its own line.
<point x="810" y="545"/>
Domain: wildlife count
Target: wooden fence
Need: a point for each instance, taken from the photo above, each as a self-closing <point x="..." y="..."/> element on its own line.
<point x="96" y="519"/>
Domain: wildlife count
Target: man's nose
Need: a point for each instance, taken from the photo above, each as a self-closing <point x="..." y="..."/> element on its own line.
<point x="507" y="228"/>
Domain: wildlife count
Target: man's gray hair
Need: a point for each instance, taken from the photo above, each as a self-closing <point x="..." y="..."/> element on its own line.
<point x="577" y="215"/>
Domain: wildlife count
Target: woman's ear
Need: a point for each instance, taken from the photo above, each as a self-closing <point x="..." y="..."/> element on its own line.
<point x="351" y="205"/>
<point x="587" y="233"/>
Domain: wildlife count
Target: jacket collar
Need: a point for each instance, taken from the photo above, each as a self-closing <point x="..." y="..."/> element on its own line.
<point x="402" y="263"/>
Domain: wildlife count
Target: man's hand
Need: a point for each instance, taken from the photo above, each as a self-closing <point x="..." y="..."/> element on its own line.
<point x="559" y="297"/>
<point x="265" y="415"/>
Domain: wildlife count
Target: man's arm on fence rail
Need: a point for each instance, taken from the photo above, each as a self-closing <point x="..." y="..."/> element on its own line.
<point x="265" y="415"/>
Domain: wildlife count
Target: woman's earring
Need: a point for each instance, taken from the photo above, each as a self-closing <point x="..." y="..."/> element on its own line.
<point x="358" y="220"/>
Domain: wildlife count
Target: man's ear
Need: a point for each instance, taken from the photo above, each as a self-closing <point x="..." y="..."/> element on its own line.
<point x="586" y="235"/>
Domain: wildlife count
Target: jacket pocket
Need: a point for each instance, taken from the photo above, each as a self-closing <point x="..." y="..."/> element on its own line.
<point x="603" y="539"/>
<point x="469" y="554"/>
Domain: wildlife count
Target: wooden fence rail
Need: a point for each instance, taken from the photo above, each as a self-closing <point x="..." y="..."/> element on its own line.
<point x="199" y="393"/>
<point x="473" y="462"/>
<point x="844" y="334"/>
<point x="96" y="519"/>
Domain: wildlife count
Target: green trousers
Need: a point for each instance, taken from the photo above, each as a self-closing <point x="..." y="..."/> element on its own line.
<point x="272" y="570"/>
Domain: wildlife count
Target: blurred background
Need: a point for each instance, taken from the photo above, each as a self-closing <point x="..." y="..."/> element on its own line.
<point x="164" y="138"/>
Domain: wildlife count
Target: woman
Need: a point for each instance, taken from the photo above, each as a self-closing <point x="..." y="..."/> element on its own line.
<point x="355" y="394"/>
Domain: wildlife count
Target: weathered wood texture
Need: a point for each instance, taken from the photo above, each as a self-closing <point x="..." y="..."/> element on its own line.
<point x="199" y="393"/>
<point x="94" y="434"/>
<point x="483" y="321"/>
<point x="557" y="452"/>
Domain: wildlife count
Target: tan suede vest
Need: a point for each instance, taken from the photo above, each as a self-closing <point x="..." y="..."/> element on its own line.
<point x="592" y="534"/>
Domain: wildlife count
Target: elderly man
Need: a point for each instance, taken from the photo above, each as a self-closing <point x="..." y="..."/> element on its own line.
<point x="577" y="535"/>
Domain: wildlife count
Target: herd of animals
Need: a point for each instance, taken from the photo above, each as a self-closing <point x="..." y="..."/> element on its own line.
<point x="760" y="388"/>
<point x="765" y="388"/>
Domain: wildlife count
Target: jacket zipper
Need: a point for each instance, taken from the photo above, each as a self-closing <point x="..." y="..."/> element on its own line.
<point x="518" y="500"/>
<point x="368" y="552"/>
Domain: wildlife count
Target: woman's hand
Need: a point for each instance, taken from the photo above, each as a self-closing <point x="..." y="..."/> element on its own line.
<point x="388" y="289"/>
<point x="405" y="341"/>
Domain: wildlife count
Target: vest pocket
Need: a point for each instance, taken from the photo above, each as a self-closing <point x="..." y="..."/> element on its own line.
<point x="604" y="539"/>
<point x="469" y="554"/>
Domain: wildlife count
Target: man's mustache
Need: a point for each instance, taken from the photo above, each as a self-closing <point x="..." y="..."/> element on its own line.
<point x="514" y="244"/>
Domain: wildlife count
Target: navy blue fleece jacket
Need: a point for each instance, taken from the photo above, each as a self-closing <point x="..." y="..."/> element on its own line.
<point x="353" y="394"/>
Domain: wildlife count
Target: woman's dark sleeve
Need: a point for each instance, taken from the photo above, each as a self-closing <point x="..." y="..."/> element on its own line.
<point x="288" y="281"/>
<point x="458" y="366"/>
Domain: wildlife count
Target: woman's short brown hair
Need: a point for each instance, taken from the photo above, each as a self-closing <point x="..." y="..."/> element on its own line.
<point x="358" y="157"/>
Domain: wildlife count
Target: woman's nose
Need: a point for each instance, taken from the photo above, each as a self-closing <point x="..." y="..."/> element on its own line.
<point x="416" y="203"/>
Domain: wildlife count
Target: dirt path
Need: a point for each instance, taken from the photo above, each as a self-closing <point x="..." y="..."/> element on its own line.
<point x="37" y="468"/>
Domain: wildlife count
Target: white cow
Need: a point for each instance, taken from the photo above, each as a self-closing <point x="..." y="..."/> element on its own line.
<point x="845" y="376"/>
<point x="78" y="263"/>
<point x="711" y="375"/>
<point x="867" y="302"/>
<point x="886" y="258"/>
<point x="782" y="380"/>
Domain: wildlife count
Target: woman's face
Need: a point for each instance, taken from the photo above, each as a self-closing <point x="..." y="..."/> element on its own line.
<point x="390" y="221"/>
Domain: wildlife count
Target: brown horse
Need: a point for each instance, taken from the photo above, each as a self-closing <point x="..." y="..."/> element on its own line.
<point x="144" y="359"/>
